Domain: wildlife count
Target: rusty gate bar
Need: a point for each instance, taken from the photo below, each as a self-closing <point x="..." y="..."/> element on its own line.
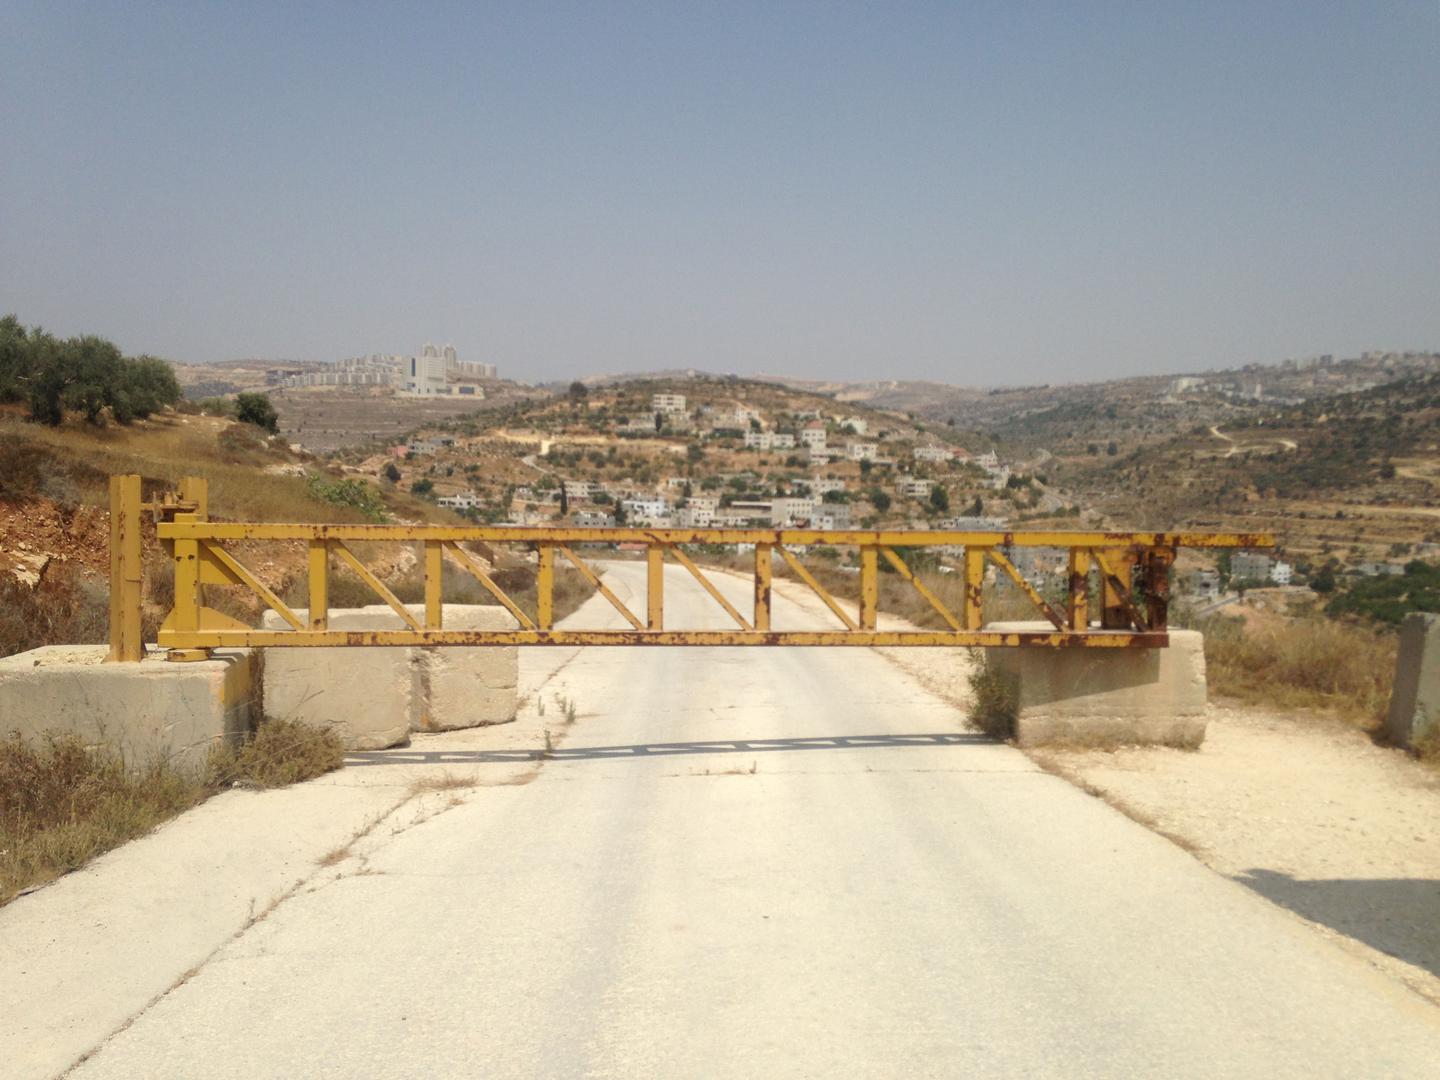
<point x="1132" y="569"/>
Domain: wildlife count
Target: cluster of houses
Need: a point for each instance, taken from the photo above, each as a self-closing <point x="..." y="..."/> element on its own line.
<point x="812" y="436"/>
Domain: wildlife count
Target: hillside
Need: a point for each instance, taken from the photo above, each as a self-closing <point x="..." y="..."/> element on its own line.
<point x="1354" y="475"/>
<point x="54" y="513"/>
<point x="706" y="450"/>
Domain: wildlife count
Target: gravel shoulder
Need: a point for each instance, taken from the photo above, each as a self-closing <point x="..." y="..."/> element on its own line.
<point x="1309" y="813"/>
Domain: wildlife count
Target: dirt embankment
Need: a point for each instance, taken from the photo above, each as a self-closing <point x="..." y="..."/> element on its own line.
<point x="37" y="535"/>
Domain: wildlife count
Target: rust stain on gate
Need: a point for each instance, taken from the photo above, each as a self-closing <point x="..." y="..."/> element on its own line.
<point x="1133" y="569"/>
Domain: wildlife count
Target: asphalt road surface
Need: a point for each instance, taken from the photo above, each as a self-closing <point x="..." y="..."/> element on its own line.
<point x="772" y="863"/>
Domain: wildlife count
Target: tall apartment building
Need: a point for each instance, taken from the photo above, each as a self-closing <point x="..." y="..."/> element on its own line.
<point x="425" y="375"/>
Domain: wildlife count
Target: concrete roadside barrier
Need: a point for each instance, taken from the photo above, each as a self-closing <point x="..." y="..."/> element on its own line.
<point x="374" y="697"/>
<point x="1414" y="714"/>
<point x="144" y="711"/>
<point x="1097" y="696"/>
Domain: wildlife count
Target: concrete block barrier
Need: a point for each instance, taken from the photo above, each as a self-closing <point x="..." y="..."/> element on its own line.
<point x="1107" y="696"/>
<point x="1414" y="714"/>
<point x="146" y="711"/>
<point x="374" y="697"/>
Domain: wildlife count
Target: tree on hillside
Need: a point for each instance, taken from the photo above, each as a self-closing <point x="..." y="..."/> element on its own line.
<point x="147" y="385"/>
<point x="939" y="500"/>
<point x="84" y="373"/>
<point x="880" y="500"/>
<point x="256" y="409"/>
<point x="578" y="391"/>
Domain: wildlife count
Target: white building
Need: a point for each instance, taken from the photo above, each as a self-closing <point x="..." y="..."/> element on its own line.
<point x="1281" y="572"/>
<point x="582" y="489"/>
<point x="988" y="460"/>
<point x="862" y="451"/>
<point x="813" y="434"/>
<point x="645" y="509"/>
<point x="973" y="524"/>
<point x="759" y="440"/>
<point x="466" y="500"/>
<point x="913" y="488"/>
<point x="819" y="485"/>
<point x="425" y="376"/>
<point x="857" y="424"/>
<point x="694" y="517"/>
<point x="785" y="509"/>
<point x="667" y="403"/>
<point x="594" y="519"/>
<point x="933" y="452"/>
<point x="821" y="455"/>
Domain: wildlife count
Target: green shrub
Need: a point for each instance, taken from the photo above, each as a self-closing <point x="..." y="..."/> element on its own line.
<point x="256" y="409"/>
<point x="350" y="491"/>
<point x="994" y="696"/>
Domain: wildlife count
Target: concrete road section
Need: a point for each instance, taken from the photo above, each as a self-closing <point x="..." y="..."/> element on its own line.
<point x="768" y="863"/>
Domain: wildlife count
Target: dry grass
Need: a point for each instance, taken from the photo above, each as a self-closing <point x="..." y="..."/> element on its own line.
<point x="1311" y="663"/>
<point x="446" y="781"/>
<point x="280" y="752"/>
<point x="62" y="609"/>
<point x="63" y="803"/>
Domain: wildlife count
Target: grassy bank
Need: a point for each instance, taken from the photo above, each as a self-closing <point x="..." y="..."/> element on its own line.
<point x="63" y="803"/>
<point x="1306" y="663"/>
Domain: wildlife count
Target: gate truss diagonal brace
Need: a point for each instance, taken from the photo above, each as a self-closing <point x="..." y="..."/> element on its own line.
<point x="470" y="566"/>
<point x="254" y="584"/>
<point x="919" y="586"/>
<point x="709" y="586"/>
<point x="601" y="588"/>
<point x="815" y="587"/>
<point x="348" y="558"/>
<point x="1035" y="598"/>
<point x="1122" y="591"/>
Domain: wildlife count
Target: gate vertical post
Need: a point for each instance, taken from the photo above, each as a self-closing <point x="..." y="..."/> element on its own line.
<point x="869" y="586"/>
<point x="196" y="489"/>
<point x="189" y="597"/>
<point x="655" y="587"/>
<point x="545" y="588"/>
<point x="434" y="579"/>
<point x="319" y="582"/>
<point x="126" y="570"/>
<point x="1113" y="613"/>
<point x="974" y="586"/>
<point x="1157" y="587"/>
<point x="762" y="587"/>
<point x="1078" y="606"/>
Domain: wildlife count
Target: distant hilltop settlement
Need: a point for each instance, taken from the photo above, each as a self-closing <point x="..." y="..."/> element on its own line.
<point x="437" y="371"/>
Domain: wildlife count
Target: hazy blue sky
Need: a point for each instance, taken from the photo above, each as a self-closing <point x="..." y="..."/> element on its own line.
<point x="970" y="192"/>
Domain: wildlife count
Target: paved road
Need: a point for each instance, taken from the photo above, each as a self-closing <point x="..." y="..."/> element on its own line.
<point x="778" y="863"/>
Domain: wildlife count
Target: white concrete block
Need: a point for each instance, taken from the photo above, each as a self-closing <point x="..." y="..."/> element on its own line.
<point x="366" y="695"/>
<point x="375" y="697"/>
<point x="145" y="711"/>
<point x="1415" y="696"/>
<point x="1107" y="696"/>
<point x="462" y="687"/>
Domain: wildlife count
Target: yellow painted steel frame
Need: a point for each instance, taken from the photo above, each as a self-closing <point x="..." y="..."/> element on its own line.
<point x="196" y="544"/>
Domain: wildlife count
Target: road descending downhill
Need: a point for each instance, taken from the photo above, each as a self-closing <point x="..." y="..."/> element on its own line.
<point x="769" y="863"/>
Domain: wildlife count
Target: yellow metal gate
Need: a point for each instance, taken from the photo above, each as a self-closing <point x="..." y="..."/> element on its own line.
<point x="1133" y="569"/>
